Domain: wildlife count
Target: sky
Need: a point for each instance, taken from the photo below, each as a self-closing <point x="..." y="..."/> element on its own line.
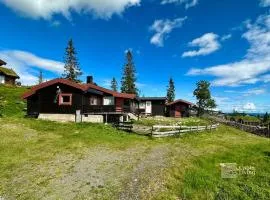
<point x="225" y="42"/>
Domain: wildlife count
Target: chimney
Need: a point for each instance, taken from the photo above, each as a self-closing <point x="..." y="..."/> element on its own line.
<point x="89" y="79"/>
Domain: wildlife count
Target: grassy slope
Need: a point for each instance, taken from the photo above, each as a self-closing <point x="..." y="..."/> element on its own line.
<point x="30" y="150"/>
<point x="11" y="99"/>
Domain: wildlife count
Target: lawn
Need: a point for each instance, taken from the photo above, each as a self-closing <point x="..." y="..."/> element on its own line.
<point x="191" y="121"/>
<point x="48" y="160"/>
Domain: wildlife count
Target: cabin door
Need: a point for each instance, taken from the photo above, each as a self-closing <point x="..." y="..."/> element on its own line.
<point x="177" y="111"/>
<point x="148" y="107"/>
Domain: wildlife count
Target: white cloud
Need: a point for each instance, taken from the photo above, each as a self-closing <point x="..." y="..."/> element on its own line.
<point x="254" y="91"/>
<point x="265" y="3"/>
<point x="163" y="28"/>
<point x="226" y="37"/>
<point x="249" y="106"/>
<point x="45" y="9"/>
<point x="207" y="44"/>
<point x="24" y="63"/>
<point x="187" y="3"/>
<point x="253" y="67"/>
<point x="56" y="23"/>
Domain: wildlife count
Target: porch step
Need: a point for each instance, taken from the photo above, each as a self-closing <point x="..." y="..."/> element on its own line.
<point x="132" y="116"/>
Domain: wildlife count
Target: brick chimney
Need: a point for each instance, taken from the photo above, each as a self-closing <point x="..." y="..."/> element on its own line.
<point x="89" y="79"/>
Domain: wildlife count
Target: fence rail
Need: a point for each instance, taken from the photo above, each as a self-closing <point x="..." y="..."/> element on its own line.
<point x="260" y="129"/>
<point x="158" y="131"/>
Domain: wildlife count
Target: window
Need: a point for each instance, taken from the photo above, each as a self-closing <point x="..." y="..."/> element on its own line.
<point x="108" y="101"/>
<point x="65" y="99"/>
<point x="2" y="79"/>
<point x="142" y="105"/>
<point x="93" y="101"/>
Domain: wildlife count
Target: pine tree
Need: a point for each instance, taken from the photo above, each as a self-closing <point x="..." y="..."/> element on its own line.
<point x="40" y="77"/>
<point x="128" y="80"/>
<point x="171" y="91"/>
<point x="114" y="85"/>
<point x="266" y="117"/>
<point x="72" y="68"/>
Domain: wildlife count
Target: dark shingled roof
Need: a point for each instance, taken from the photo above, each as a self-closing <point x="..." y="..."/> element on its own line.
<point x="181" y="101"/>
<point x="8" y="72"/>
<point x="82" y="87"/>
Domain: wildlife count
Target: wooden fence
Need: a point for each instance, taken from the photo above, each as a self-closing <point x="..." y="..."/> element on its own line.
<point x="260" y="129"/>
<point x="165" y="131"/>
<point x="125" y="126"/>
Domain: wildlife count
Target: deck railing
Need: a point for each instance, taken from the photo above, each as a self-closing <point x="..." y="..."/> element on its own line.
<point x="104" y="109"/>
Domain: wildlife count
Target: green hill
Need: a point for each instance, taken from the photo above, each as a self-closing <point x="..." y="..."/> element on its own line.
<point x="11" y="103"/>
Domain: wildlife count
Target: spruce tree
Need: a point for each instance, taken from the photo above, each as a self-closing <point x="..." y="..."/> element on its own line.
<point x="40" y="77"/>
<point x="128" y="79"/>
<point x="72" y="68"/>
<point x="266" y="117"/>
<point x="114" y="85"/>
<point x="170" y="91"/>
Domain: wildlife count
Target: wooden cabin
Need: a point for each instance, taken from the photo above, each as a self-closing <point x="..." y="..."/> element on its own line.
<point x="7" y="76"/>
<point x="152" y="106"/>
<point x="61" y="96"/>
<point x="179" y="108"/>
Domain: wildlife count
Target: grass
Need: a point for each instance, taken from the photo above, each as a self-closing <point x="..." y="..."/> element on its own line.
<point x="191" y="121"/>
<point x="192" y="168"/>
<point x="49" y="160"/>
<point x="10" y="97"/>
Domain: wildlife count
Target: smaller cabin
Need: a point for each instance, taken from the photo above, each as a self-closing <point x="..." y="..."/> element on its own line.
<point x="153" y="106"/>
<point x="179" y="108"/>
<point x="7" y="76"/>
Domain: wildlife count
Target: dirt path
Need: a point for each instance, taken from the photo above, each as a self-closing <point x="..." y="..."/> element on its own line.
<point x="97" y="174"/>
<point x="146" y="178"/>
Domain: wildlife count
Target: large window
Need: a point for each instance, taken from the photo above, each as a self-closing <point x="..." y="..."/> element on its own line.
<point x="65" y="99"/>
<point x="108" y="101"/>
<point x="2" y="79"/>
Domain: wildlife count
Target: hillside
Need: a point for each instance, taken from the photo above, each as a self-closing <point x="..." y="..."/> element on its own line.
<point x="49" y="160"/>
<point x="10" y="98"/>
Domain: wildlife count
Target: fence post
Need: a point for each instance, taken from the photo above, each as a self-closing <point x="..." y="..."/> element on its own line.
<point x="179" y="129"/>
<point x="152" y="131"/>
<point x="269" y="130"/>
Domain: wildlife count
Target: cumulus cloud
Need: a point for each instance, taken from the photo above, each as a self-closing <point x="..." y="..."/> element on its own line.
<point x="265" y="3"/>
<point x="45" y="9"/>
<point x="187" y="3"/>
<point x="253" y="67"/>
<point x="249" y="106"/>
<point x="207" y="44"/>
<point x="162" y="28"/>
<point x="24" y="63"/>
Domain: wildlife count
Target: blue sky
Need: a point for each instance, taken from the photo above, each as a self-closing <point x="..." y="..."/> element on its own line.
<point x="226" y="42"/>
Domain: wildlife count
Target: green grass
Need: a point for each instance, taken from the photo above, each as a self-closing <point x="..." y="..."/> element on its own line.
<point x="192" y="171"/>
<point x="50" y="160"/>
<point x="191" y="121"/>
<point x="10" y="97"/>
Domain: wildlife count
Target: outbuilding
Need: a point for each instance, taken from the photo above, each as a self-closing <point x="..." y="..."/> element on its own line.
<point x="179" y="108"/>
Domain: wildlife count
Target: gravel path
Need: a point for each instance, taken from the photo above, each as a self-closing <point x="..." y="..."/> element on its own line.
<point x="97" y="174"/>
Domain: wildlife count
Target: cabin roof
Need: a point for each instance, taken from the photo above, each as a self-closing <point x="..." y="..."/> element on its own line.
<point x="82" y="87"/>
<point x="180" y="101"/>
<point x="2" y="62"/>
<point x="8" y="72"/>
<point x="152" y="98"/>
